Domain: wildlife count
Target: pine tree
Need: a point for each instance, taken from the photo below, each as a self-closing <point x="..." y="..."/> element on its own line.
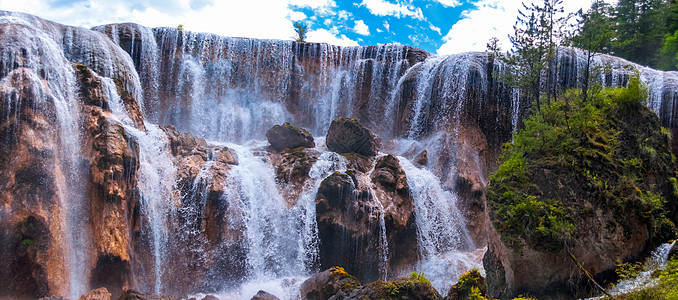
<point x="594" y="35"/>
<point x="301" y="29"/>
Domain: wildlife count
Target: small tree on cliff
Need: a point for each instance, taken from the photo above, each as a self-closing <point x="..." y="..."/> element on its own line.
<point x="536" y="39"/>
<point x="594" y="35"/>
<point x="301" y="29"/>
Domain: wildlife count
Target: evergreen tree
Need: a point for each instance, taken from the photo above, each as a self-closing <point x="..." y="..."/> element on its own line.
<point x="301" y="29"/>
<point x="640" y="26"/>
<point x="537" y="36"/>
<point x="594" y="35"/>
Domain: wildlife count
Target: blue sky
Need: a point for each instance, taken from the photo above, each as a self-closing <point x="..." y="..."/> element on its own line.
<point x="438" y="26"/>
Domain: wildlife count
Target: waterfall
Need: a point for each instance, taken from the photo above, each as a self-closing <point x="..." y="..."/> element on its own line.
<point x="444" y="243"/>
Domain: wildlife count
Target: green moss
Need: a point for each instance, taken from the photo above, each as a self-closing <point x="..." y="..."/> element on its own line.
<point x="605" y="147"/>
<point x="419" y="277"/>
<point x="666" y="287"/>
<point x="26" y="242"/>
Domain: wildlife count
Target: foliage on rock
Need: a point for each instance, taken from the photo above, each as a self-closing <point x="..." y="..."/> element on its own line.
<point x="471" y="285"/>
<point x="609" y="152"/>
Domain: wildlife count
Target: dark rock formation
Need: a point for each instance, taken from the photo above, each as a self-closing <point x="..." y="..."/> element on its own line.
<point x="348" y="136"/>
<point x="286" y="136"/>
<point x="205" y="232"/>
<point x="399" y="288"/>
<point x="348" y="224"/>
<point x="136" y="295"/>
<point x="331" y="282"/>
<point x="349" y="209"/>
<point x="263" y="295"/>
<point x="392" y="190"/>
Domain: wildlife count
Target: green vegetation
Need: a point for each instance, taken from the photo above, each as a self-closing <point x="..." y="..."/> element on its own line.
<point x="471" y="285"/>
<point x="643" y="31"/>
<point x="573" y="154"/>
<point x="666" y="287"/>
<point x="301" y="29"/>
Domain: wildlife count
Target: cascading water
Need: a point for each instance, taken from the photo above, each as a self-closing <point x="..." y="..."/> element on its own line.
<point x="444" y="242"/>
<point x="231" y="90"/>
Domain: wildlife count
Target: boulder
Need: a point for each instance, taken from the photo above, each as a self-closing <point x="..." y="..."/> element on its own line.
<point x="469" y="283"/>
<point x="348" y="136"/>
<point x="326" y="284"/>
<point x="136" y="295"/>
<point x="286" y="136"/>
<point x="98" y="294"/>
<point x="415" y="287"/>
<point x="263" y="295"/>
<point x="348" y="225"/>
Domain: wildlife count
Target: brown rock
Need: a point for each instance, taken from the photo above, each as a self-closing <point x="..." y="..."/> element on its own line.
<point x="98" y="294"/>
<point x="399" y="288"/>
<point x="263" y="295"/>
<point x="326" y="284"/>
<point x="136" y="295"/>
<point x="392" y="190"/>
<point x="348" y="136"/>
<point x="292" y="167"/>
<point x="286" y="136"/>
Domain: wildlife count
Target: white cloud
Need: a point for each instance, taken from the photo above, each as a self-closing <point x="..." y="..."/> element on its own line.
<point x="387" y="26"/>
<point x="490" y="18"/>
<point x="361" y="28"/>
<point x="313" y="4"/>
<point x="384" y="8"/>
<point x="450" y="3"/>
<point x="297" y="16"/>
<point x="325" y="36"/>
<point x="434" y="28"/>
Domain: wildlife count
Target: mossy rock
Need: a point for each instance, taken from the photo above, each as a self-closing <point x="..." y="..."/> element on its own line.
<point x="471" y="285"/>
<point x="349" y="136"/>
<point x="286" y="136"/>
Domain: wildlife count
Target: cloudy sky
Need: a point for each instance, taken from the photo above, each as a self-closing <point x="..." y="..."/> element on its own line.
<point x="438" y="26"/>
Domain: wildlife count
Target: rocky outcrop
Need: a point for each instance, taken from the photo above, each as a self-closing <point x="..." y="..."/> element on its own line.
<point x="98" y="294"/>
<point x="348" y="225"/>
<point x="136" y="295"/>
<point x="606" y="203"/>
<point x="286" y="136"/>
<point x="292" y="167"/>
<point x="350" y="208"/>
<point x="348" y="136"/>
<point x="333" y="282"/>
<point x="470" y="285"/>
<point x="393" y="192"/>
<point x="263" y="295"/>
<point x="30" y="213"/>
<point x="205" y="233"/>
<point x="114" y="162"/>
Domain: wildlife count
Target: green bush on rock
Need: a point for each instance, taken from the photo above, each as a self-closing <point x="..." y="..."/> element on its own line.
<point x="603" y="150"/>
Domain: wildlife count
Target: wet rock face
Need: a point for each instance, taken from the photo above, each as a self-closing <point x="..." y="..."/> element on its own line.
<point x="206" y="241"/>
<point x="292" y="167"/>
<point x="29" y="197"/>
<point x="392" y="190"/>
<point x="286" y="136"/>
<point x="263" y="295"/>
<point x="348" y="225"/>
<point x="348" y="136"/>
<point x="349" y="211"/>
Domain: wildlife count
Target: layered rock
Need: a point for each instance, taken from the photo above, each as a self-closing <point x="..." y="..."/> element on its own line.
<point x="348" y="136"/>
<point x="393" y="192"/>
